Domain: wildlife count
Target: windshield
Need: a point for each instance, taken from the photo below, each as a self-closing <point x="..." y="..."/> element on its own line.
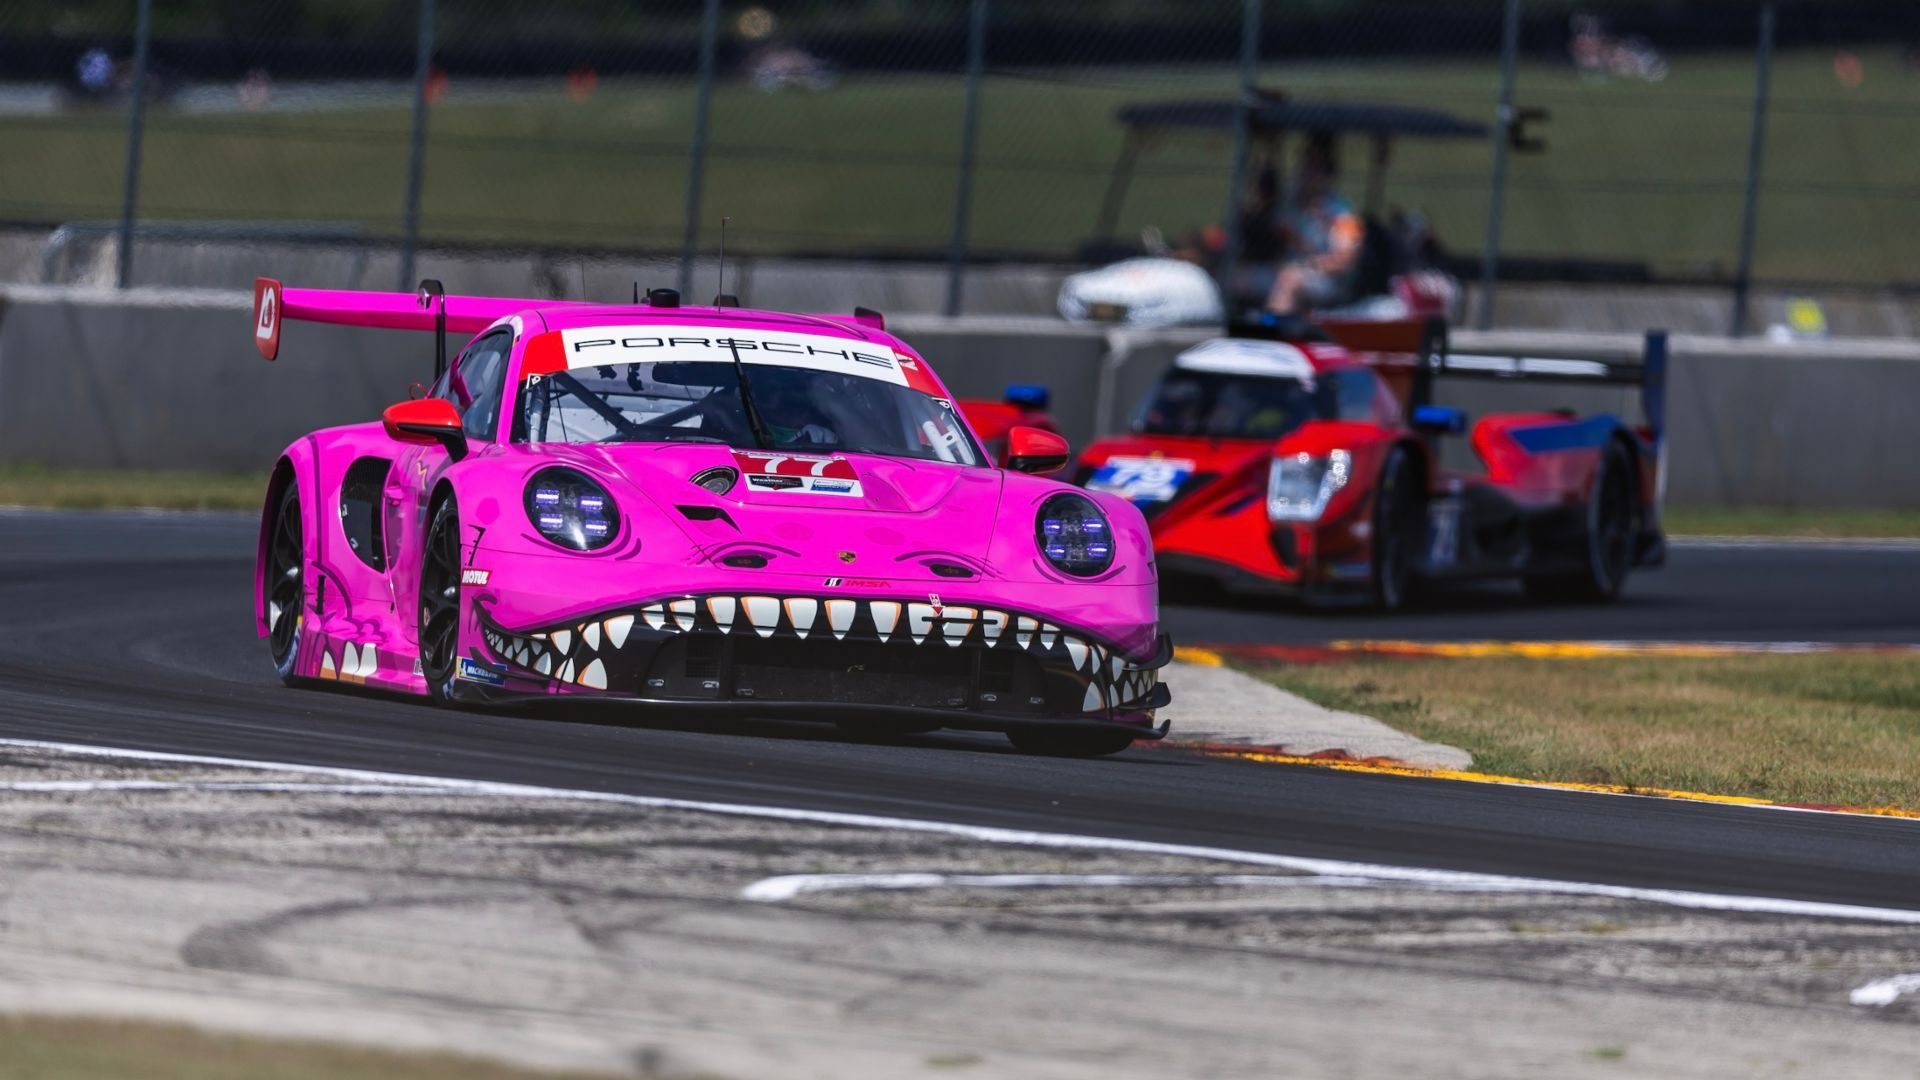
<point x="1228" y="406"/>
<point x="802" y="409"/>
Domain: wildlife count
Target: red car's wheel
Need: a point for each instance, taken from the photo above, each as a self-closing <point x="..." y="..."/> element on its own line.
<point x="1399" y="521"/>
<point x="440" y="602"/>
<point x="1613" y="526"/>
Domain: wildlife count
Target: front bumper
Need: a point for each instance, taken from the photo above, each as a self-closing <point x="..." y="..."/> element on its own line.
<point x="957" y="664"/>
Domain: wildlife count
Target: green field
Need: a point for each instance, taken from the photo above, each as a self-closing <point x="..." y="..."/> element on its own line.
<point x="1837" y="729"/>
<point x="58" y="1048"/>
<point x="1633" y="171"/>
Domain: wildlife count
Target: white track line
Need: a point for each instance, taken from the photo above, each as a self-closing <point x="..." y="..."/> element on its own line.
<point x="1797" y="543"/>
<point x="57" y="787"/>
<point x="1885" y="991"/>
<point x="775" y="890"/>
<point x="1380" y="874"/>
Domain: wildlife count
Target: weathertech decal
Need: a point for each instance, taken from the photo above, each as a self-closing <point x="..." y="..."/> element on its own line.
<point x="592" y="345"/>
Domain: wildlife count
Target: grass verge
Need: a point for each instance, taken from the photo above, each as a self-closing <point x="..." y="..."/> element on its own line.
<point x="49" y="1048"/>
<point x="1772" y="521"/>
<point x="1822" y="729"/>
<point x="98" y="489"/>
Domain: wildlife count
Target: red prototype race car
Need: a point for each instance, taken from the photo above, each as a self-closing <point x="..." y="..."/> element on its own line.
<point x="1311" y="467"/>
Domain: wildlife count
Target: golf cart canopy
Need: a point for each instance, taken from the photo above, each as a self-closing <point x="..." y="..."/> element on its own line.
<point x="1275" y="116"/>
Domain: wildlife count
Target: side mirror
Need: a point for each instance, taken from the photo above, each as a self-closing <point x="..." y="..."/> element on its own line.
<point x="1439" y="420"/>
<point x="1031" y="450"/>
<point x="427" y="420"/>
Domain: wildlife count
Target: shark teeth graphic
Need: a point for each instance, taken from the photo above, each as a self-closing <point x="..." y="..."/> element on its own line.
<point x="801" y="612"/>
<point x="1024" y="635"/>
<point x="957" y="623"/>
<point x="327" y="670"/>
<point x="618" y="628"/>
<point x="1094" y="699"/>
<point x="562" y="640"/>
<point x="655" y="615"/>
<point x="763" y="612"/>
<point x="595" y="675"/>
<point x="1077" y="652"/>
<point x="566" y="671"/>
<point x="544" y="665"/>
<point x="991" y="623"/>
<point x="886" y="615"/>
<point x="1047" y="633"/>
<point x="721" y="608"/>
<point x="919" y="618"/>
<point x="591" y="635"/>
<point x="1113" y="668"/>
<point x="840" y="615"/>
<point x="683" y="613"/>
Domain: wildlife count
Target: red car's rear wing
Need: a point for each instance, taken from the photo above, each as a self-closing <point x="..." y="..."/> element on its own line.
<point x="1423" y="343"/>
<point x="428" y="309"/>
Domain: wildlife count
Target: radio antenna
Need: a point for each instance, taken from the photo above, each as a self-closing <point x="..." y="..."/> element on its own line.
<point x="722" y="275"/>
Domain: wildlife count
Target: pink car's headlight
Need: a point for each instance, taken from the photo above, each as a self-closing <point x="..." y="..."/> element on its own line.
<point x="569" y="508"/>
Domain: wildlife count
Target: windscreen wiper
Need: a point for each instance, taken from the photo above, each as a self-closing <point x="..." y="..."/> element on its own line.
<point x="760" y="436"/>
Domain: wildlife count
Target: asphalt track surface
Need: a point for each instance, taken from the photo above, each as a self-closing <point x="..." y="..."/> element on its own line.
<point x="132" y="630"/>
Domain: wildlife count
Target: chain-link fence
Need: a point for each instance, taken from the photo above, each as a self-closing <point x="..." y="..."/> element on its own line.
<point x="966" y="132"/>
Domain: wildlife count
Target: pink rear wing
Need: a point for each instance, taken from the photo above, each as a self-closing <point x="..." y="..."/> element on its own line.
<point x="273" y="304"/>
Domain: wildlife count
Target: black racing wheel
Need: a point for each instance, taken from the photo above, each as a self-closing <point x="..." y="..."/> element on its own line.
<point x="285" y="585"/>
<point x="1399" y="525"/>
<point x="440" y="602"/>
<point x="1612" y="526"/>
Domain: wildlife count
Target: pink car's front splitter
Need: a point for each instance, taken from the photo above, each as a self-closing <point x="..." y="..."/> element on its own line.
<point x="958" y="665"/>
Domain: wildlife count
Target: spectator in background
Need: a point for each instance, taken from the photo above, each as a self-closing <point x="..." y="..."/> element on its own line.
<point x="1321" y="232"/>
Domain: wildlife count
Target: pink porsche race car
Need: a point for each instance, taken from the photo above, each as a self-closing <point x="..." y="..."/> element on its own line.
<point x="701" y="508"/>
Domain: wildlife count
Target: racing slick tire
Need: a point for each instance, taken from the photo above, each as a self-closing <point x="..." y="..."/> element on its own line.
<point x="285" y="585"/>
<point x="1399" y="521"/>
<point x="439" y="626"/>
<point x="1069" y="743"/>
<point x="1613" y="522"/>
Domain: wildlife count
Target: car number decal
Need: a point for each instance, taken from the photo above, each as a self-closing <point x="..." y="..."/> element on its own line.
<point x="1142" y="479"/>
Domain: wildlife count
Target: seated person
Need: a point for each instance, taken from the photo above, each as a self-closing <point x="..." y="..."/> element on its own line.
<point x="1323" y="235"/>
<point x="785" y="402"/>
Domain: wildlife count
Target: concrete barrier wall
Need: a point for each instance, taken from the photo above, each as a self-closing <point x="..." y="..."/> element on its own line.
<point x="170" y="380"/>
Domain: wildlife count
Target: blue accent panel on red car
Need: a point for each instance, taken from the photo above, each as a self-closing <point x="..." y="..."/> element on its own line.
<point x="1586" y="434"/>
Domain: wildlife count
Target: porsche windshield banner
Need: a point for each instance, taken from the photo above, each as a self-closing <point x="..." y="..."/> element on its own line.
<point x="589" y="346"/>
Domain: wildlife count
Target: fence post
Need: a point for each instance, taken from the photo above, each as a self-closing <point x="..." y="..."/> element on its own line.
<point x="417" y="148"/>
<point x="697" y="155"/>
<point x="136" y="128"/>
<point x="1763" y="68"/>
<point x="969" y="137"/>
<point x="1502" y="130"/>
<point x="1242" y="140"/>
